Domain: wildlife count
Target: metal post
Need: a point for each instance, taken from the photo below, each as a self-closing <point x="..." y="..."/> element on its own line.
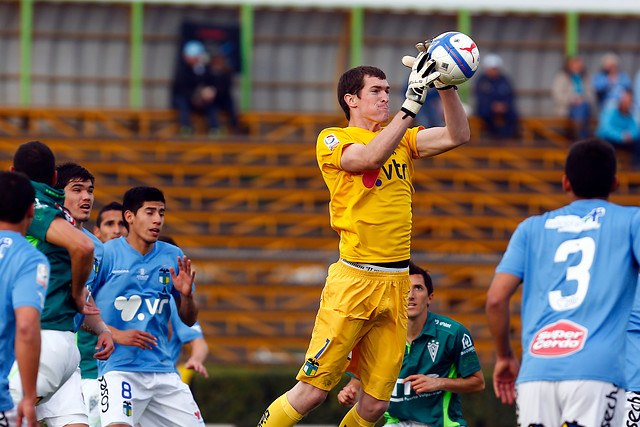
<point x="26" y="29"/>
<point x="135" y="77"/>
<point x="357" y="35"/>
<point x="246" y="52"/>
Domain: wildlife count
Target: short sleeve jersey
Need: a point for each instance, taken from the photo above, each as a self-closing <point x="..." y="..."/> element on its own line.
<point x="181" y="333"/>
<point x="579" y="267"/>
<point x="371" y="211"/>
<point x="444" y="349"/>
<point x="24" y="281"/>
<point x="86" y="341"/>
<point x="59" y="309"/>
<point x="133" y="292"/>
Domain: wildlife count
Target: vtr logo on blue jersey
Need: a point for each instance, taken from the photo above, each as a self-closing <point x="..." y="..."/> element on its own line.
<point x="128" y="307"/>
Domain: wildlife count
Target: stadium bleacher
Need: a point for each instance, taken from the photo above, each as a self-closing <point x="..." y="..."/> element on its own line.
<point x="253" y="214"/>
<point x="251" y="209"/>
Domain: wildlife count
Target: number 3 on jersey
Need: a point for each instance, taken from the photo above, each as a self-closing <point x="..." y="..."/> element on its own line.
<point x="579" y="273"/>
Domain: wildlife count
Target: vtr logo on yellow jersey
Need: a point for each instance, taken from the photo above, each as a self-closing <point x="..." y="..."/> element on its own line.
<point x="370" y="178"/>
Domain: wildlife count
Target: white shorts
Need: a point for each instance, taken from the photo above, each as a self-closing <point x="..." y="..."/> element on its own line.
<point x="59" y="359"/>
<point x="148" y="399"/>
<point x="66" y="406"/>
<point x="631" y="416"/>
<point x="91" y="395"/>
<point x="575" y="402"/>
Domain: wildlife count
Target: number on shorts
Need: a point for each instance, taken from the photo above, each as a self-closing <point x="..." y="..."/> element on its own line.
<point x="579" y="273"/>
<point x="126" y="390"/>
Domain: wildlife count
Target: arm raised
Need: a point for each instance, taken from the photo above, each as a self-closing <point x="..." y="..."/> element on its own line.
<point x="456" y="132"/>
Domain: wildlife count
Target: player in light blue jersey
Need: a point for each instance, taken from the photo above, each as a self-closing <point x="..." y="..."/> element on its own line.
<point x="133" y="288"/>
<point x="579" y="268"/>
<point x="23" y="284"/>
<point x="78" y="186"/>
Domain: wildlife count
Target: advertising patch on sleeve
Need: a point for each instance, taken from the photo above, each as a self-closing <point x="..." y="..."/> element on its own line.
<point x="559" y="339"/>
<point x="331" y="141"/>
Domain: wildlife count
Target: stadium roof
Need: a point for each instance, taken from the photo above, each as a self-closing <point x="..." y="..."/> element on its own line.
<point x="525" y="6"/>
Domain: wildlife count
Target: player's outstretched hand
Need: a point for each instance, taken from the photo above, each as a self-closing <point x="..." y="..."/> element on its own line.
<point x="504" y="378"/>
<point x="183" y="281"/>
<point x="422" y="75"/>
<point x="105" y="346"/>
<point x="197" y="366"/>
<point x="348" y="396"/>
<point x="134" y="338"/>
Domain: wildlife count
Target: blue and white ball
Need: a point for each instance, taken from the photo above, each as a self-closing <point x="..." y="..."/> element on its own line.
<point x="457" y="57"/>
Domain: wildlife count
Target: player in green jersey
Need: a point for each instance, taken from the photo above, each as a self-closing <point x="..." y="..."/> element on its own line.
<point x="440" y="363"/>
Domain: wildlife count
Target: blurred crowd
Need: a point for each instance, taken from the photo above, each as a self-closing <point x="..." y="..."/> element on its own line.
<point x="605" y="104"/>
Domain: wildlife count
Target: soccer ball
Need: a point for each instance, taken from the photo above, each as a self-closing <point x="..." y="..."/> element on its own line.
<point x="457" y="57"/>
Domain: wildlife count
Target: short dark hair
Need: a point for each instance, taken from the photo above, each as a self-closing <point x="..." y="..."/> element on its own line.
<point x="69" y="171"/>
<point x="414" y="269"/>
<point x="352" y="81"/>
<point x="16" y="196"/>
<point x="135" y="197"/>
<point x="113" y="206"/>
<point x="591" y="168"/>
<point x="35" y="160"/>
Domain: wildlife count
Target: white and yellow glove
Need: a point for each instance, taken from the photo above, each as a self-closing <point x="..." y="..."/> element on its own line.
<point x="422" y="75"/>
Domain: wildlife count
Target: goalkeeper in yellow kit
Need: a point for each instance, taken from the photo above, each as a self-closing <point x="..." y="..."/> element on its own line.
<point x="368" y="170"/>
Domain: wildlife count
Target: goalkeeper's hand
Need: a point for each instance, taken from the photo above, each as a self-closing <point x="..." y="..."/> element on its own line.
<point x="409" y="61"/>
<point x="422" y="75"/>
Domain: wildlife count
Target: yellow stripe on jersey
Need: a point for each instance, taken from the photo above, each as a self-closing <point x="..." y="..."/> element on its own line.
<point x="371" y="211"/>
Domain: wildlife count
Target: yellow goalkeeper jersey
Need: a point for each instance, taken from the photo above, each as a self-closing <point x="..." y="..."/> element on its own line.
<point x="371" y="211"/>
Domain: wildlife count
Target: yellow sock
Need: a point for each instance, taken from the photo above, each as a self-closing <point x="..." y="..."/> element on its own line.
<point x="352" y="419"/>
<point x="280" y="414"/>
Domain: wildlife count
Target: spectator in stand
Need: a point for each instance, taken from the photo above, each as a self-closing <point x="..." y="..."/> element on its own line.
<point x="636" y="91"/>
<point x="192" y="89"/>
<point x="610" y="82"/>
<point x="495" y="99"/>
<point x="223" y="83"/>
<point x="574" y="97"/>
<point x="619" y="125"/>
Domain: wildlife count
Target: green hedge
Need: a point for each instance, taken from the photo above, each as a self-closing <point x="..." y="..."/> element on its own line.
<point x="239" y="395"/>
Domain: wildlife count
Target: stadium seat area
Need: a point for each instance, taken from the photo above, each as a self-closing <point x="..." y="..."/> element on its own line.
<point x="251" y="209"/>
<point x="252" y="212"/>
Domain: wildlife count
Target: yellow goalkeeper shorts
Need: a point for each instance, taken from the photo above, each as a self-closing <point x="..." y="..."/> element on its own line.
<point x="363" y="308"/>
